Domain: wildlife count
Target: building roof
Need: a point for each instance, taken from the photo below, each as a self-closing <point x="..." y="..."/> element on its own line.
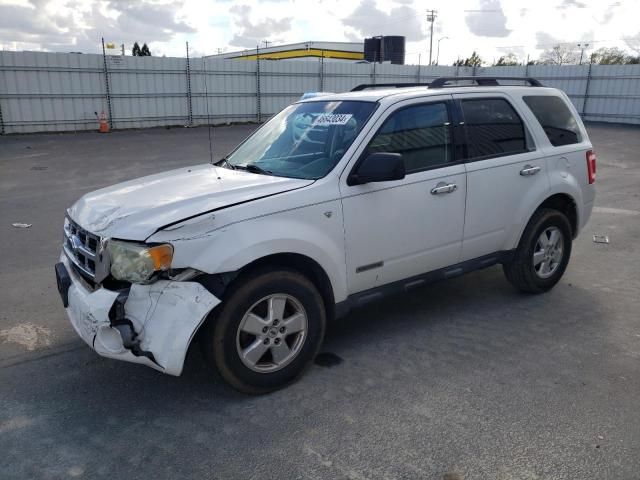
<point x="336" y="50"/>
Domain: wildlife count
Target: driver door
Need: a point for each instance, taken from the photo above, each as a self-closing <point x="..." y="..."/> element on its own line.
<point x="398" y="229"/>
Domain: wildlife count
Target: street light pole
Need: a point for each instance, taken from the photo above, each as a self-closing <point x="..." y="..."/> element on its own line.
<point x="438" y="54"/>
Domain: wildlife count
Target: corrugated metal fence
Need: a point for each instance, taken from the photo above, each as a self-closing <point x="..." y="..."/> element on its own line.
<point x="62" y="92"/>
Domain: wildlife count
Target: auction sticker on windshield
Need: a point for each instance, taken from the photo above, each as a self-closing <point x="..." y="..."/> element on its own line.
<point x="333" y="119"/>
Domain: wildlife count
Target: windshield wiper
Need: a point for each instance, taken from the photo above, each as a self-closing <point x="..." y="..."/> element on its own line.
<point x="254" y="169"/>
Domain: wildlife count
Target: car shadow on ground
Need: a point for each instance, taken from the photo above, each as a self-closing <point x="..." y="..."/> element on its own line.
<point x="458" y="322"/>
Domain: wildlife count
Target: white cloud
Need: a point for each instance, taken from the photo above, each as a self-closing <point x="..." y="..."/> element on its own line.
<point x="519" y="26"/>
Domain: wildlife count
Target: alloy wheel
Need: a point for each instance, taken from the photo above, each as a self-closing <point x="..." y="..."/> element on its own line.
<point x="271" y="333"/>
<point x="548" y="252"/>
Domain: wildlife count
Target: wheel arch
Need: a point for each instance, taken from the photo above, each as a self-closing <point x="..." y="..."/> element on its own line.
<point x="219" y="283"/>
<point x="562" y="202"/>
<point x="566" y="204"/>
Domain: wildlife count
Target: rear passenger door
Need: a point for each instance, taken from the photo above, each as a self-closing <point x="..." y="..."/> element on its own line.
<point x="505" y="173"/>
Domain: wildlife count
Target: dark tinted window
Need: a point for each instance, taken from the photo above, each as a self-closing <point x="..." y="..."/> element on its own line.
<point x="556" y="119"/>
<point x="493" y="128"/>
<point x="421" y="134"/>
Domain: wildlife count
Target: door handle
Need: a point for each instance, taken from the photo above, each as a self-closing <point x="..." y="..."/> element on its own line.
<point x="443" y="187"/>
<point x="529" y="170"/>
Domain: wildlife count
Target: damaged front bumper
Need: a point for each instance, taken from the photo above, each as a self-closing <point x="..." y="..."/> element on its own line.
<point x="148" y="324"/>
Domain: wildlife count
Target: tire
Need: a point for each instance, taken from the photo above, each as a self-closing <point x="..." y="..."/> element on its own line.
<point x="533" y="275"/>
<point x="243" y="324"/>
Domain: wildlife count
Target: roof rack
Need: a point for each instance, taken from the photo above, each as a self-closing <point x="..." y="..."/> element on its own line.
<point x="482" y="81"/>
<point x="366" y="86"/>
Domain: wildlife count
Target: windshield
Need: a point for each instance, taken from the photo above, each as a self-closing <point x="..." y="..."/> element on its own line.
<point x="305" y="140"/>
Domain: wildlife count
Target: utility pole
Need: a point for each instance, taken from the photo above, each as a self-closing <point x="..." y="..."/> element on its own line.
<point x="431" y="17"/>
<point x="266" y="43"/>
<point x="582" y="47"/>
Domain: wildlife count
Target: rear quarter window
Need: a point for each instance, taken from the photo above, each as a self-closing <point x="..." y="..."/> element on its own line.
<point x="556" y="119"/>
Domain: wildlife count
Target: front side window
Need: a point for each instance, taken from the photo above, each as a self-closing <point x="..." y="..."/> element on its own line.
<point x="421" y="133"/>
<point x="305" y="140"/>
<point x="556" y="119"/>
<point x="493" y="128"/>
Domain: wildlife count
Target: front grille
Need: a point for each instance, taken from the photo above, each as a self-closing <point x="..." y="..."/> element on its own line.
<point x="82" y="249"/>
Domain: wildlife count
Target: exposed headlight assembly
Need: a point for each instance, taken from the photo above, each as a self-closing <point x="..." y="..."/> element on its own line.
<point x="136" y="263"/>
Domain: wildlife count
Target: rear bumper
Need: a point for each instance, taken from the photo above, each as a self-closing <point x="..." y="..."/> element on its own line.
<point x="163" y="317"/>
<point x="587" y="208"/>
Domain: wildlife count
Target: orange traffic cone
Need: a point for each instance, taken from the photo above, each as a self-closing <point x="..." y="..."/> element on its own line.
<point x="104" y="126"/>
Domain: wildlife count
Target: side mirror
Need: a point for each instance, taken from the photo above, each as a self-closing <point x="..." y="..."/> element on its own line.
<point x="378" y="167"/>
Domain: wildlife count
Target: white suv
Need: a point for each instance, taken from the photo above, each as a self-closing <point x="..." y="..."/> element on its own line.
<point x="336" y="201"/>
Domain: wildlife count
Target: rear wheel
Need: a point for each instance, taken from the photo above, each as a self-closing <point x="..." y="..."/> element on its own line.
<point x="543" y="253"/>
<point x="267" y="332"/>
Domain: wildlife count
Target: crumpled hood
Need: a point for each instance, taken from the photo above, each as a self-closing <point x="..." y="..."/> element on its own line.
<point x="136" y="209"/>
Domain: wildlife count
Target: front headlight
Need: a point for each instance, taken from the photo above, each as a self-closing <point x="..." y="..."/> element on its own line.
<point x="137" y="263"/>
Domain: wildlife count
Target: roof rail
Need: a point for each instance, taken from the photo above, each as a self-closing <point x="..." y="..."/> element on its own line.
<point x="482" y="81"/>
<point x="366" y="86"/>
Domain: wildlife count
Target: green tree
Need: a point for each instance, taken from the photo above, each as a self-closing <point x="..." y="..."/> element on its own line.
<point x="473" y="61"/>
<point x="509" y="59"/>
<point x="144" y="51"/>
<point x="609" y="56"/>
<point x="135" y="51"/>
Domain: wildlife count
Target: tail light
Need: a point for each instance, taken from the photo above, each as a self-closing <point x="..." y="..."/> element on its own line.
<point x="591" y="166"/>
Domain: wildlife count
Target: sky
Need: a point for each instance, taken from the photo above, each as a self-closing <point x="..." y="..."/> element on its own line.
<point x="491" y="27"/>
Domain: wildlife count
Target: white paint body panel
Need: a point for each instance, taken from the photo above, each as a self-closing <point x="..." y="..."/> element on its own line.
<point x="403" y="226"/>
<point x="135" y="209"/>
<point x="165" y="315"/>
<point x="219" y="220"/>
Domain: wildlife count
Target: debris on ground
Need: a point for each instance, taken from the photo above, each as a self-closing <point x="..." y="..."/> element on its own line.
<point x="21" y="225"/>
<point x="600" y="239"/>
<point x="27" y="335"/>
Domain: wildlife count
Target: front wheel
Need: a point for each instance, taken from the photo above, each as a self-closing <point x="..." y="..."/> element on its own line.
<point x="542" y="254"/>
<point x="267" y="332"/>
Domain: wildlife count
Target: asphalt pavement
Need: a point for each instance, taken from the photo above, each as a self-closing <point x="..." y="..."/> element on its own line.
<point x="463" y="379"/>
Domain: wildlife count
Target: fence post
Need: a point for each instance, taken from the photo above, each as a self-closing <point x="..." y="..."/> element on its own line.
<point x="189" y="105"/>
<point x="586" y="91"/>
<point x="322" y="72"/>
<point x="1" y="121"/>
<point x="106" y="83"/>
<point x="258" y="98"/>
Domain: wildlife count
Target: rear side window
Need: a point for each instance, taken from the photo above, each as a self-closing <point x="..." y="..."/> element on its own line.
<point x="421" y="133"/>
<point x="493" y="128"/>
<point x="556" y="119"/>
